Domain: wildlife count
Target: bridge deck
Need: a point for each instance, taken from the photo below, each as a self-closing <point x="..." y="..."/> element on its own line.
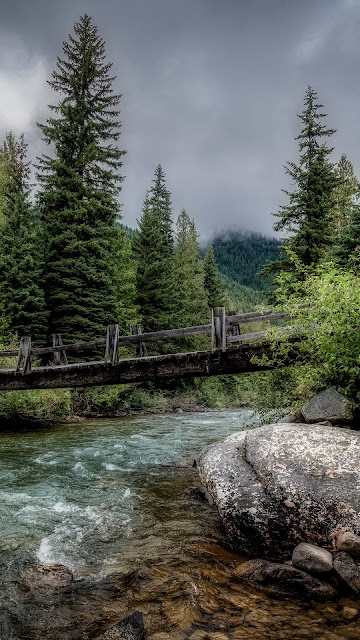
<point x="198" y="363"/>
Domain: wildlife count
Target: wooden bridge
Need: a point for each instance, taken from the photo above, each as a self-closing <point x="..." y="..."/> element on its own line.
<point x="231" y="352"/>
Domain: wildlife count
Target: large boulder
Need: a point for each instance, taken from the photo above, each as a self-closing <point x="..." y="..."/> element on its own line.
<point x="283" y="484"/>
<point x="329" y="405"/>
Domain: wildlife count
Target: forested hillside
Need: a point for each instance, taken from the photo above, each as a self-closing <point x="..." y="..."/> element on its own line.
<point x="241" y="256"/>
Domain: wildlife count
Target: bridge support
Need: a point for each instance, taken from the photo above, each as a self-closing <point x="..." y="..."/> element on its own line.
<point x="140" y="347"/>
<point x="24" y="355"/>
<point x="112" y="344"/>
<point x="218" y="330"/>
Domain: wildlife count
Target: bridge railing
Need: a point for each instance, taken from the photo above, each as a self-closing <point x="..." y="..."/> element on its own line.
<point x="224" y="328"/>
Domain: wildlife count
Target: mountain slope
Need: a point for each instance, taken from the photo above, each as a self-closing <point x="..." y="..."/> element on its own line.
<point x="240" y="256"/>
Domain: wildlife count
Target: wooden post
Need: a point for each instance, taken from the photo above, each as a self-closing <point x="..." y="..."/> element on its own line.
<point x="218" y="331"/>
<point x="140" y="347"/>
<point x="111" y="349"/>
<point x="235" y="328"/>
<point x="24" y="355"/>
<point x="60" y="356"/>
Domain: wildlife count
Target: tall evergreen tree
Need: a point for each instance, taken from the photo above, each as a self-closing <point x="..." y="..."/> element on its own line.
<point x="307" y="217"/>
<point x="192" y="306"/>
<point x="21" y="293"/>
<point x="153" y="246"/>
<point x="213" y="286"/>
<point x="80" y="185"/>
<point x="344" y="193"/>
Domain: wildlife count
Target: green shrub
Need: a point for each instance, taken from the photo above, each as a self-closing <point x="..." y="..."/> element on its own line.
<point x="330" y="348"/>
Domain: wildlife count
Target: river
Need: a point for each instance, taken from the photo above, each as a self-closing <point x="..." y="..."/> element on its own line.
<point x="109" y="500"/>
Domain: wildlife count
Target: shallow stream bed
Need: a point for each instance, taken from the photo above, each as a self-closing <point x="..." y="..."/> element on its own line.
<point x="107" y="499"/>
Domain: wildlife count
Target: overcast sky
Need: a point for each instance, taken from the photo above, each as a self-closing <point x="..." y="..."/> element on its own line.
<point x="211" y="89"/>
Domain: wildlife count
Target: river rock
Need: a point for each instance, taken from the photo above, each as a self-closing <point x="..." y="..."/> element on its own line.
<point x="283" y="580"/>
<point x="329" y="405"/>
<point x="347" y="570"/>
<point x="282" y="484"/>
<point x="130" y="628"/>
<point x="46" y="578"/>
<point x="349" y="542"/>
<point x="311" y="558"/>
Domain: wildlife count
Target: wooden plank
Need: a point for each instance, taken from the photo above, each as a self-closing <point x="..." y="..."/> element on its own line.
<point x="240" y="319"/>
<point x="257" y="316"/>
<point x="166" y="334"/>
<point x="245" y="337"/>
<point x="165" y="367"/>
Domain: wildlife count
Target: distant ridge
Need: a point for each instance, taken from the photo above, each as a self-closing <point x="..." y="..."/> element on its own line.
<point x="241" y="255"/>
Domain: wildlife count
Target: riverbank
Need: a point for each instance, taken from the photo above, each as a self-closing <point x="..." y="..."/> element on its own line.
<point x="266" y="391"/>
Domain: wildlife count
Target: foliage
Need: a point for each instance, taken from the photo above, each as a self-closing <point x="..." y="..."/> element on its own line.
<point x="307" y="217"/>
<point x="41" y="407"/>
<point x="240" y="256"/>
<point x="80" y="184"/>
<point x="153" y="247"/>
<point x="330" y="325"/>
<point x="21" y="269"/>
<point x="344" y="193"/>
<point x="348" y="240"/>
<point x="212" y="281"/>
<point x="241" y="298"/>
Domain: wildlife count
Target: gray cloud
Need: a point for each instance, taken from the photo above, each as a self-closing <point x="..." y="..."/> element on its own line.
<point x="210" y="90"/>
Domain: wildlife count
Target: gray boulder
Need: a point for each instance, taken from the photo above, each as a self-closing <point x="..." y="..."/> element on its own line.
<point x="347" y="570"/>
<point x="311" y="558"/>
<point x="283" y="484"/>
<point x="283" y="581"/>
<point x="329" y="405"/>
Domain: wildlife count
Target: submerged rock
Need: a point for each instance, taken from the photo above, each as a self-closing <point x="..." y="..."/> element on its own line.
<point x="130" y="628"/>
<point x="283" y="484"/>
<point x="329" y="405"/>
<point x="46" y="578"/>
<point x="283" y="580"/>
<point x="311" y="558"/>
<point x="347" y="570"/>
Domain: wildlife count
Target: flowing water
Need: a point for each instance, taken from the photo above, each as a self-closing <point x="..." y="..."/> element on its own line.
<point x="109" y="500"/>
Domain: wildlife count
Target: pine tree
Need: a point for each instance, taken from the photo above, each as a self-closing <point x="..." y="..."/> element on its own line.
<point x="192" y="306"/>
<point x="127" y="312"/>
<point x="348" y="240"/>
<point x="21" y="293"/>
<point x="80" y="185"/>
<point x="153" y="246"/>
<point x="344" y="193"/>
<point x="213" y="286"/>
<point x="307" y="217"/>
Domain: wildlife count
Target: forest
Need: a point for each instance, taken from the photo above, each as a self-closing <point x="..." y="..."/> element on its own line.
<point x="69" y="265"/>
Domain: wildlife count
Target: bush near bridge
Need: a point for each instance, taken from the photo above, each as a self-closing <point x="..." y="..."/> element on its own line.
<point x="331" y="343"/>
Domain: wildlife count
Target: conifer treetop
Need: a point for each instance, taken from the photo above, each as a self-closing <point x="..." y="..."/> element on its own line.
<point x="87" y="111"/>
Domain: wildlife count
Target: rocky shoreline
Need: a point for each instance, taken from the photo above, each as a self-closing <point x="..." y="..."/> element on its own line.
<point x="288" y="494"/>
